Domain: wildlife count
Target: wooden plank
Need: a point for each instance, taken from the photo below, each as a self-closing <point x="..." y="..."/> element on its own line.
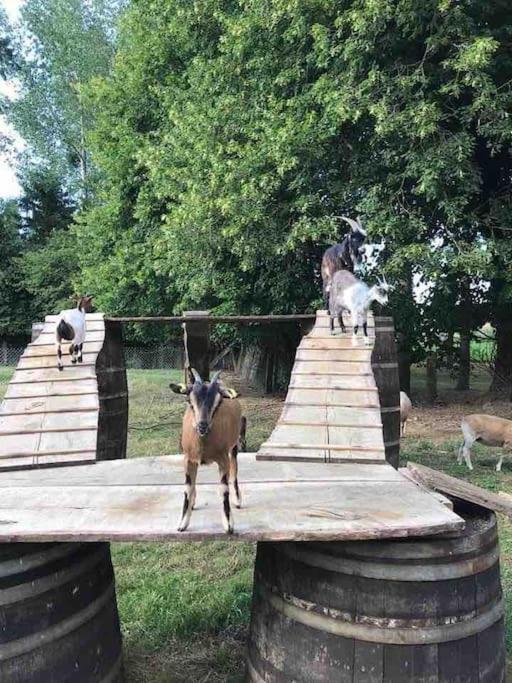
<point x="50" y="389"/>
<point x="90" y="317"/>
<point x="50" y="361"/>
<point x="304" y="510"/>
<point x="19" y="424"/>
<point x="49" y="350"/>
<point x="439" y="496"/>
<point x="167" y="470"/>
<point x="335" y="355"/>
<point x="346" y="383"/>
<point x="48" y="338"/>
<point x="50" y="404"/>
<point x="338" y="343"/>
<point x="28" y="464"/>
<point x="336" y="397"/>
<point x="328" y="434"/>
<point x="330" y="367"/>
<point x="460" y="489"/>
<point x="69" y="374"/>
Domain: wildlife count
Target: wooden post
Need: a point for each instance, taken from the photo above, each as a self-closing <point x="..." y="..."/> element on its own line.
<point x="113" y="395"/>
<point x="385" y="371"/>
<point x="197" y="344"/>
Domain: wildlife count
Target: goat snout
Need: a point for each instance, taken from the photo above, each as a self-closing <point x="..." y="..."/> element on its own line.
<point x="202" y="428"/>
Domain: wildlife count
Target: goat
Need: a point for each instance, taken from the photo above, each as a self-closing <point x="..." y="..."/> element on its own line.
<point x="405" y="410"/>
<point x="489" y="430"/>
<point x="70" y="326"/>
<point x="348" y="293"/>
<point x="347" y="255"/>
<point x="210" y="433"/>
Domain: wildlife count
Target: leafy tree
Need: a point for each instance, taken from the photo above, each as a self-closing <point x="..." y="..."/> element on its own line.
<point x="230" y="136"/>
<point x="15" y="308"/>
<point x="60" y="45"/>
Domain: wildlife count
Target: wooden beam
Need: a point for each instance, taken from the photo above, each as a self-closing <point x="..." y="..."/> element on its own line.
<point x="215" y="320"/>
<point x="439" y="481"/>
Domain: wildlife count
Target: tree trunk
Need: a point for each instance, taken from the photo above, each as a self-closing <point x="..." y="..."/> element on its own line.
<point x="432" y="377"/>
<point x="404" y="364"/>
<point x="502" y="375"/>
<point x="464" y="361"/>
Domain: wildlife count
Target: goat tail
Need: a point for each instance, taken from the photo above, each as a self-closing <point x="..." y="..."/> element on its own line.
<point x="65" y="331"/>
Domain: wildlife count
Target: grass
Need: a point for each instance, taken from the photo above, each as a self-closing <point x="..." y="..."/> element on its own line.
<point x="184" y="607"/>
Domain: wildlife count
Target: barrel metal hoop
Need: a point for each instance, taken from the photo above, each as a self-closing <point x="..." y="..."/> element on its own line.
<point x="30" y="561"/>
<point x="385" y="366"/>
<point x="388" y="634"/>
<point x="30" y="589"/>
<point x="390" y="409"/>
<point x="388" y="444"/>
<point x="15" y="648"/>
<point x="392" y="572"/>
<point x="115" y="672"/>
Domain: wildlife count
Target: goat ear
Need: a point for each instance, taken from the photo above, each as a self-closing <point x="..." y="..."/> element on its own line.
<point x="228" y="392"/>
<point x="179" y="388"/>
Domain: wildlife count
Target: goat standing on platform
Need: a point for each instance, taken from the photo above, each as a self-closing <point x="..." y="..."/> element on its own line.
<point x="210" y="434"/>
<point x="71" y="327"/>
<point x="348" y="293"/>
<point x="347" y="255"/>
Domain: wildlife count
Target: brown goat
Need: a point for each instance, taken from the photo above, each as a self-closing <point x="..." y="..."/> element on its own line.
<point x="210" y="434"/>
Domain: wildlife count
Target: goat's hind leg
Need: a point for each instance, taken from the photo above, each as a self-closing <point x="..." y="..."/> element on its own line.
<point x="233" y="475"/>
<point x="227" y="517"/>
<point x="80" y="354"/>
<point x="189" y="498"/>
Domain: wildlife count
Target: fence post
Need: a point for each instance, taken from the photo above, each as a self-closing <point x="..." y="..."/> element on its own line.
<point x="197" y="344"/>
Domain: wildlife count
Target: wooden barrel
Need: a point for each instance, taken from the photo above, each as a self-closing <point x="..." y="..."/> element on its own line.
<point x="113" y="395"/>
<point x="385" y="371"/>
<point x="58" y="614"/>
<point x="380" y="611"/>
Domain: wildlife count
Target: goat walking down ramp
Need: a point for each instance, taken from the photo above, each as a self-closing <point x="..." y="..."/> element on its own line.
<point x="49" y="417"/>
<point x="332" y="409"/>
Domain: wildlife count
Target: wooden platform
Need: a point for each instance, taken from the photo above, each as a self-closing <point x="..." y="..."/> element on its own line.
<point x="332" y="410"/>
<point x="51" y="417"/>
<point x="141" y="499"/>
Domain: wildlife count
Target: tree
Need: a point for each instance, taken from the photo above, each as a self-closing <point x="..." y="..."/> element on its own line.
<point x="15" y="305"/>
<point x="230" y="137"/>
<point x="60" y="45"/>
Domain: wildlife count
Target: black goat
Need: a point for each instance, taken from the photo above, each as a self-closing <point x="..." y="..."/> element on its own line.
<point x="344" y="256"/>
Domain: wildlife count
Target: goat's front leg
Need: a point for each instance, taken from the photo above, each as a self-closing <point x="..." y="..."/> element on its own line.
<point x="342" y="324"/>
<point x="60" y="364"/>
<point x="227" y="517"/>
<point x="365" y="328"/>
<point x="72" y="352"/>
<point x="233" y="475"/>
<point x="331" y="323"/>
<point x="189" y="498"/>
<point x="355" y="326"/>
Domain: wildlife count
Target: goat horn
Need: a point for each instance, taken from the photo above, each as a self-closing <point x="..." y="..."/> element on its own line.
<point x="196" y="376"/>
<point x="353" y="224"/>
<point x="360" y="226"/>
<point x="215" y="377"/>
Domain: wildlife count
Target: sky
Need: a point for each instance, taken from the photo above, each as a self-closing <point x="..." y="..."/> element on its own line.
<point x="8" y="184"/>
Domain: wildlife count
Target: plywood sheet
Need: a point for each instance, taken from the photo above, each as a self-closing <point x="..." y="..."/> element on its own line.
<point x="130" y="500"/>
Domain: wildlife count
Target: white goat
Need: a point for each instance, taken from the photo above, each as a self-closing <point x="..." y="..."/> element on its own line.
<point x="348" y="293"/>
<point x="489" y="430"/>
<point x="405" y="410"/>
<point x="70" y="326"/>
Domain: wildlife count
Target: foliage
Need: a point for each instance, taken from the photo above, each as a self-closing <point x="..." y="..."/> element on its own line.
<point x="59" y="46"/>
<point x="15" y="307"/>
<point x="230" y="135"/>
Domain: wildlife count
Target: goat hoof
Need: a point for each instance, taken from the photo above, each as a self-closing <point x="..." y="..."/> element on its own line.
<point x="80" y="360"/>
<point x="61" y="368"/>
<point x="73" y="360"/>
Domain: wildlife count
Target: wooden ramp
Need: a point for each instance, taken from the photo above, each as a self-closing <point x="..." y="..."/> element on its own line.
<point x="332" y="409"/>
<point x="49" y="417"/>
<point x="141" y="500"/>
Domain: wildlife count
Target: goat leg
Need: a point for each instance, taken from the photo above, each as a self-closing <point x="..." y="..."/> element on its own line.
<point x="80" y="354"/>
<point x="233" y="475"/>
<point x="342" y="324"/>
<point x="227" y="517"/>
<point x="59" y="356"/>
<point x="189" y="498"/>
